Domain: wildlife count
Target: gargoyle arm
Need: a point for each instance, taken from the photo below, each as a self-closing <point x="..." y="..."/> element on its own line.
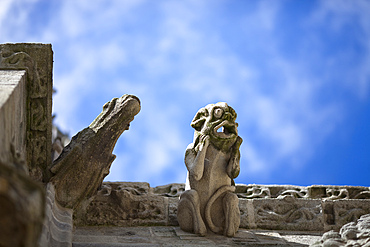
<point x="194" y="160"/>
<point x="233" y="167"/>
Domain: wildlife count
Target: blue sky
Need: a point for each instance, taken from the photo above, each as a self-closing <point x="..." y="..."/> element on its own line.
<point x="296" y="72"/>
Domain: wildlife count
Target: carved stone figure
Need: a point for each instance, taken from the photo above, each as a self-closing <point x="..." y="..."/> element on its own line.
<point x="212" y="161"/>
<point x="85" y="161"/>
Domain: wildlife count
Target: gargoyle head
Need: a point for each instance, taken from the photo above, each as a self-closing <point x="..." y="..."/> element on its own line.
<point x="117" y="114"/>
<point x="218" y="122"/>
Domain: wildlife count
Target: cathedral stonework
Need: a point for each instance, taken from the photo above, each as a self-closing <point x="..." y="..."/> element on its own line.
<point x="53" y="194"/>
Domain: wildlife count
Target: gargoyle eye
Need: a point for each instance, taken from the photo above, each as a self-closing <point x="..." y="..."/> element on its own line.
<point x="218" y="112"/>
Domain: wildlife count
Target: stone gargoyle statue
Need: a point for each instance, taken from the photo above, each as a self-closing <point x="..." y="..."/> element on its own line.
<point x="81" y="167"/>
<point x="212" y="161"/>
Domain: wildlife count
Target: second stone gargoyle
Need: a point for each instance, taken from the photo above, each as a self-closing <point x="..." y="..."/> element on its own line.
<point x="86" y="160"/>
<point x="212" y="161"/>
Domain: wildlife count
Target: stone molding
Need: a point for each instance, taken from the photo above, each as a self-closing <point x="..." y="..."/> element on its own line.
<point x="37" y="60"/>
<point x="58" y="223"/>
<point x="328" y="192"/>
<point x="137" y="204"/>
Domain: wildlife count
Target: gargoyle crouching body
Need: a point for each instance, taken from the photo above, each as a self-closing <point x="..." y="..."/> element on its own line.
<point x="212" y="161"/>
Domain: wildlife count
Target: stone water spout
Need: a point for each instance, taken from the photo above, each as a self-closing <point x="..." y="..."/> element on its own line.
<point x="85" y="161"/>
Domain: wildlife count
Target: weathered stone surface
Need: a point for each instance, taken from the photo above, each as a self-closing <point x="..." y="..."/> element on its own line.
<point x="174" y="236"/>
<point x="13" y="117"/>
<point x="247" y="219"/>
<point x="172" y="211"/>
<point x="327" y="192"/>
<point x="355" y="233"/>
<point x="170" y="190"/>
<point x="59" y="141"/>
<point x="21" y="199"/>
<point x="22" y="205"/>
<point x="288" y="213"/>
<point x="37" y="60"/>
<point x="347" y="211"/>
<point x="123" y="204"/>
<point x="338" y="192"/>
<point x="283" y="213"/>
<point x="212" y="161"/>
<point x="85" y="161"/>
<point x="58" y="223"/>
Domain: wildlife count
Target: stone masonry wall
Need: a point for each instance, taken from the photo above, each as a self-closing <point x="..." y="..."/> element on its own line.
<point x="25" y="140"/>
<point x="313" y="208"/>
<point x="37" y="61"/>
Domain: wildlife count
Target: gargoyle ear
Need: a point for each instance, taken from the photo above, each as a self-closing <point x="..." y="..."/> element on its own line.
<point x="199" y="119"/>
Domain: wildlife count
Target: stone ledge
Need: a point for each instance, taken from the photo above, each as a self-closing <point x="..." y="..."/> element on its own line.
<point x="174" y="236"/>
<point x="286" y="208"/>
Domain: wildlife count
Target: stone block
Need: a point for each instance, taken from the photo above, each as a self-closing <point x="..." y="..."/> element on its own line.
<point x="123" y="204"/>
<point x="247" y="214"/>
<point x="338" y="192"/>
<point x="13" y="116"/>
<point x="37" y="61"/>
<point x="288" y="213"/>
<point x="252" y="191"/>
<point x="340" y="212"/>
<point x="172" y="211"/>
<point x="170" y="190"/>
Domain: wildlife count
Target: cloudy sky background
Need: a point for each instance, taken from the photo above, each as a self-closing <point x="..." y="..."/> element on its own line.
<point x="296" y="72"/>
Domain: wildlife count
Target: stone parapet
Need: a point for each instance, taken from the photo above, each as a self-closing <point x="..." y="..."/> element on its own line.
<point x="330" y="192"/>
<point x="282" y="208"/>
<point x="124" y="204"/>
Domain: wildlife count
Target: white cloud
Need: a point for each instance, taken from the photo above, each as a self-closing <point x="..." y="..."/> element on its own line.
<point x="339" y="15"/>
<point x="282" y="119"/>
<point x="4" y="9"/>
<point x="180" y="64"/>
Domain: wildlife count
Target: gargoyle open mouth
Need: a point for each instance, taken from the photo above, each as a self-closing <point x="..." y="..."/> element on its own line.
<point x="225" y="129"/>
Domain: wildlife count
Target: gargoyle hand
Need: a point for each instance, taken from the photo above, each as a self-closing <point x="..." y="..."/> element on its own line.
<point x="233" y="167"/>
<point x="194" y="157"/>
<point x="203" y="143"/>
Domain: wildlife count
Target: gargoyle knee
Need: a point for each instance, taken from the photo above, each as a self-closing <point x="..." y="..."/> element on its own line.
<point x="232" y="214"/>
<point x="230" y="199"/>
<point x="188" y="213"/>
<point x="191" y="195"/>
